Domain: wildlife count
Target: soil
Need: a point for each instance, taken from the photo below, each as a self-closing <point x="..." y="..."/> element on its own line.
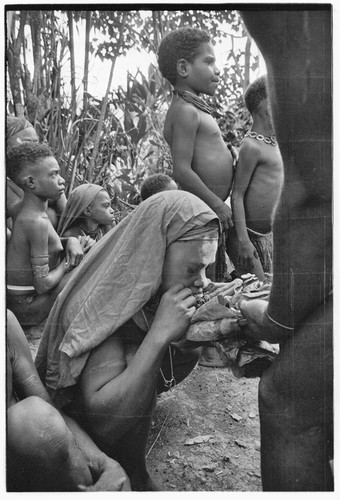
<point x="205" y="433"/>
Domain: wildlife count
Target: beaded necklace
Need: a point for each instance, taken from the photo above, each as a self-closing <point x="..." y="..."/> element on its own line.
<point x="194" y="99"/>
<point x="259" y="137"/>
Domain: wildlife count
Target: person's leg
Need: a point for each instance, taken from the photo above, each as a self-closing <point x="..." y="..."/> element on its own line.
<point x="31" y="310"/>
<point x="130" y="450"/>
<point x="295" y="398"/>
<point x="41" y="452"/>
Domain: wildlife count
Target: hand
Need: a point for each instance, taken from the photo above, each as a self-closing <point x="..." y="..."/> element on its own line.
<point x="86" y="243"/>
<point x="73" y="252"/>
<point x="258" y="325"/>
<point x="109" y="476"/>
<point x="225" y="215"/>
<point x="173" y="314"/>
<point x="246" y="255"/>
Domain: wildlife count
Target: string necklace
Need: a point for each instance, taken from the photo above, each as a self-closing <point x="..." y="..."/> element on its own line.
<point x="194" y="99"/>
<point x="259" y="137"/>
<point x="96" y="234"/>
<point x="169" y="384"/>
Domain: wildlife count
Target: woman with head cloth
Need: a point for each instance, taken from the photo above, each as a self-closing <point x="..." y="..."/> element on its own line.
<point x="88" y="212"/>
<point x="107" y="348"/>
<point x="20" y="131"/>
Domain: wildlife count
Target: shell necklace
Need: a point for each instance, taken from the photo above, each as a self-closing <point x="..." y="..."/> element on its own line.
<point x="259" y="137"/>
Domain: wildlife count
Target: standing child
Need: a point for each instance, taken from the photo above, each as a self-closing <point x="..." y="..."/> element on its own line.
<point x="88" y="212"/>
<point x="35" y="253"/>
<point x="257" y="187"/>
<point x="202" y="163"/>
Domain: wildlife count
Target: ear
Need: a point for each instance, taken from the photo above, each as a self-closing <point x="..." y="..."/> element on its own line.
<point x="182" y="68"/>
<point x="29" y="182"/>
<point x="87" y="212"/>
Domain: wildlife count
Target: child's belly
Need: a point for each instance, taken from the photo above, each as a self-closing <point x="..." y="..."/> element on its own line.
<point x="216" y="173"/>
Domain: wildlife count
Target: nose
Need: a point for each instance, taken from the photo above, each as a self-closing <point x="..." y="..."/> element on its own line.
<point x="61" y="180"/>
<point x="217" y="71"/>
<point x="201" y="281"/>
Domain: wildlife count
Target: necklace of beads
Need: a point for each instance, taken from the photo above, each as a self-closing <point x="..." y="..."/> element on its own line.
<point x="194" y="99"/>
<point x="259" y="137"/>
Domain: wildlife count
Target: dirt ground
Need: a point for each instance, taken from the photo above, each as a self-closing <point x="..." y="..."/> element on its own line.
<point x="205" y="433"/>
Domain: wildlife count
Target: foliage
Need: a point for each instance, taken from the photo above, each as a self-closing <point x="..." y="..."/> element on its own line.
<point x="117" y="140"/>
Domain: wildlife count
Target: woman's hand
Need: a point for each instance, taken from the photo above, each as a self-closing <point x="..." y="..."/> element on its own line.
<point x="173" y="314"/>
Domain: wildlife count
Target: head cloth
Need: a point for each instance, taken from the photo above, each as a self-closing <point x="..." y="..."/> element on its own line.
<point x="117" y="277"/>
<point x="80" y="198"/>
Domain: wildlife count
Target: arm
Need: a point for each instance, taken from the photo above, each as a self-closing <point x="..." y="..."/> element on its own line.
<point x="125" y="381"/>
<point x="44" y="279"/>
<point x="107" y="474"/>
<point x="248" y="160"/>
<point x="299" y="97"/>
<point x="74" y="250"/>
<point x="185" y="129"/>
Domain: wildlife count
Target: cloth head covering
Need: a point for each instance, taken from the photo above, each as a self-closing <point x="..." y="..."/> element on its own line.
<point x="120" y="274"/>
<point x="80" y="198"/>
<point x="14" y="124"/>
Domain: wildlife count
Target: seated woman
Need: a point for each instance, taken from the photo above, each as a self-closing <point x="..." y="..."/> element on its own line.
<point x="88" y="212"/>
<point x="19" y="131"/>
<point x="108" y="343"/>
<point x="46" y="450"/>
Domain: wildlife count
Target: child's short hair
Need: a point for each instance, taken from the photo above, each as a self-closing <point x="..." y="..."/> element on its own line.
<point x="19" y="158"/>
<point x="255" y="93"/>
<point x="154" y="184"/>
<point x="184" y="43"/>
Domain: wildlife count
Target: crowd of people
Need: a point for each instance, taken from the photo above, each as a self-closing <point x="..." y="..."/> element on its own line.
<point x="117" y="299"/>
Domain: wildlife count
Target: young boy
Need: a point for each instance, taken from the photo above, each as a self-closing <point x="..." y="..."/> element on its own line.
<point x="20" y="131"/>
<point x="35" y="261"/>
<point x="88" y="213"/>
<point x="202" y="163"/>
<point x="257" y="187"/>
<point x="156" y="183"/>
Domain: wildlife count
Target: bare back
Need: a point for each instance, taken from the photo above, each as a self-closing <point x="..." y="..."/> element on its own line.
<point x="24" y="238"/>
<point x="203" y="144"/>
<point x="263" y="190"/>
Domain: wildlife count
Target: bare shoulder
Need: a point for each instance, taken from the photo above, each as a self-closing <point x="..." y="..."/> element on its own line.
<point x="72" y="231"/>
<point x="182" y="111"/>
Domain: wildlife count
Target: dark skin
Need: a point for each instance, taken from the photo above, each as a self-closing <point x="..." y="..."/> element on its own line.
<point x="34" y="242"/>
<point x="202" y="163"/>
<point x="47" y="450"/>
<point x="295" y="394"/>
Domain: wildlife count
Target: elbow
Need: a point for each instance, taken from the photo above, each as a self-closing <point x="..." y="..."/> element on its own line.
<point x="42" y="288"/>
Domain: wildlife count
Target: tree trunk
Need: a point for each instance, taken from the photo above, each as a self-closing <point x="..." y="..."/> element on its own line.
<point x="104" y="104"/>
<point x="247" y="63"/>
<point x="87" y="56"/>
<point x="14" y="64"/>
<point x="72" y="63"/>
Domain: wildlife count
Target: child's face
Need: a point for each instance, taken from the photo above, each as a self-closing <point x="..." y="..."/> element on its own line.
<point x="100" y="209"/>
<point x="203" y="75"/>
<point x="186" y="263"/>
<point x="47" y="180"/>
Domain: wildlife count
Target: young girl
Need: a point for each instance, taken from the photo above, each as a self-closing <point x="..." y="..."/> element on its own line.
<point x="88" y="212"/>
